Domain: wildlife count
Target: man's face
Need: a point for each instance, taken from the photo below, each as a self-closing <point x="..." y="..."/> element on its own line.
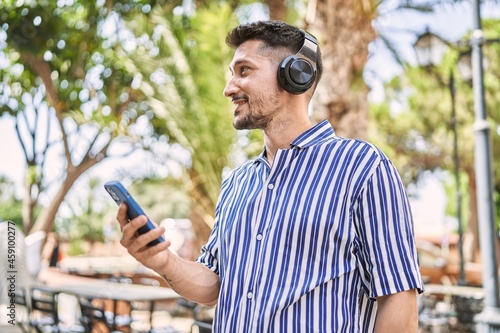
<point x="253" y="87"/>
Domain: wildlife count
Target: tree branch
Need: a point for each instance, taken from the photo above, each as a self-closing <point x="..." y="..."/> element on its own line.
<point x="23" y="146"/>
<point x="43" y="70"/>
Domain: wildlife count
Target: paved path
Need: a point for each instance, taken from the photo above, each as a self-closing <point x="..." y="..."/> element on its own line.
<point x="10" y="329"/>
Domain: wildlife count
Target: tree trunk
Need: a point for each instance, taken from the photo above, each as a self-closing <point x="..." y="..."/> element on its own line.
<point x="344" y="28"/>
<point x="202" y="210"/>
<point x="45" y="221"/>
<point x="201" y="231"/>
<point x="277" y="9"/>
<point x="28" y="207"/>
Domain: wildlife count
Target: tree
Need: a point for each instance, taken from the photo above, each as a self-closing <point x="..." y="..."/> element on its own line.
<point x="345" y="30"/>
<point x="65" y="69"/>
<point x="277" y="9"/>
<point x="86" y="223"/>
<point x="418" y="136"/>
<point x="170" y="80"/>
<point x="183" y="80"/>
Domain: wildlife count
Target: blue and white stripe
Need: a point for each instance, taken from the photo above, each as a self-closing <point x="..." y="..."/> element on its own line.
<point x="306" y="246"/>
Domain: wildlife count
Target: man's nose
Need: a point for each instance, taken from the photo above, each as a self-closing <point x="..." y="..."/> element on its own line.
<point x="230" y="88"/>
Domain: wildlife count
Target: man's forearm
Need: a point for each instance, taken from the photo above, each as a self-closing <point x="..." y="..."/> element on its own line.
<point x="192" y="280"/>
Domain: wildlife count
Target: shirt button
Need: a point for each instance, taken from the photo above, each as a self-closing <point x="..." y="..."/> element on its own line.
<point x="259" y="237"/>
<point x="250" y="295"/>
<point x="270" y="186"/>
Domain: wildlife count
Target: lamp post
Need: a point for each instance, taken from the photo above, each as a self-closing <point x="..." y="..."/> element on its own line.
<point x="430" y="49"/>
<point x="489" y="319"/>
<point x="458" y="196"/>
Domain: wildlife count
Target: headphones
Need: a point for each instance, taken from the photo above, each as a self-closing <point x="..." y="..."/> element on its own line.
<point x="296" y="73"/>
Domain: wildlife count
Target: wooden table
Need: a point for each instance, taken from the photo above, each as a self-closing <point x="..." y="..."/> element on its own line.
<point x="107" y="290"/>
<point x="114" y="290"/>
<point x="449" y="290"/>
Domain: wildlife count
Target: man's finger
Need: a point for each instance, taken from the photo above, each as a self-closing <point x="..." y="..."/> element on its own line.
<point x="122" y="216"/>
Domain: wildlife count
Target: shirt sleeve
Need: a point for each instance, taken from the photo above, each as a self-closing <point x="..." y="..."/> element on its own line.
<point x="210" y="252"/>
<point x="384" y="226"/>
<point x="209" y="255"/>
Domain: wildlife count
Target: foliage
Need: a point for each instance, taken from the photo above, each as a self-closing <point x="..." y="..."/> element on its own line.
<point x="86" y="218"/>
<point x="161" y="198"/>
<point x="451" y="208"/>
<point x="76" y="248"/>
<point x="183" y="81"/>
<point x="102" y="83"/>
<point x="415" y="124"/>
<point x="90" y="216"/>
<point x="10" y="210"/>
<point x="10" y="206"/>
<point x="64" y="64"/>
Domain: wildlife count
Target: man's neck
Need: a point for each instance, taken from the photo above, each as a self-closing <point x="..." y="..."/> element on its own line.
<point x="281" y="135"/>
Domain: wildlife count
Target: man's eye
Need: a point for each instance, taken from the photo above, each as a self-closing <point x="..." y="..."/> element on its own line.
<point x="244" y="69"/>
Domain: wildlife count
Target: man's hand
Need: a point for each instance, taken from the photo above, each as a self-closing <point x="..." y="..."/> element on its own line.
<point x="190" y="279"/>
<point x="154" y="257"/>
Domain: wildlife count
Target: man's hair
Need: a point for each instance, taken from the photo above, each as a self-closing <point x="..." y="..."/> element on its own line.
<point x="276" y="35"/>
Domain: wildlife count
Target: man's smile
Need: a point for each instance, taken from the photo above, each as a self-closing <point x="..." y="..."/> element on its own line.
<point x="238" y="100"/>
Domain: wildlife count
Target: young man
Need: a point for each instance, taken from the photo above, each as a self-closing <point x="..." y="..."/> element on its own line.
<point x="315" y="234"/>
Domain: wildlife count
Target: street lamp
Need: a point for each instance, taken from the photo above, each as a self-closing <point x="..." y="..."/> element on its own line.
<point x="429" y="50"/>
<point x="488" y="320"/>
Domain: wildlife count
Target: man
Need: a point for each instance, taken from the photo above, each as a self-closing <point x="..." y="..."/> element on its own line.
<point x="315" y="234"/>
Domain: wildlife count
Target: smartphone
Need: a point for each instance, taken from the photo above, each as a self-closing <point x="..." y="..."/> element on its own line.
<point x="119" y="195"/>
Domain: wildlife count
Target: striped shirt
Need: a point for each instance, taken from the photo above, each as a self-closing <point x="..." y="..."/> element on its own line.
<point x="307" y="244"/>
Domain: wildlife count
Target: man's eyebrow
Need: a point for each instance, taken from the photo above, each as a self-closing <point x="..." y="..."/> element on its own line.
<point x="238" y="63"/>
<point x="242" y="61"/>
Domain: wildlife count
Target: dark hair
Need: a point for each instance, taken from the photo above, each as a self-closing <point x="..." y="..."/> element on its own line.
<point x="275" y="35"/>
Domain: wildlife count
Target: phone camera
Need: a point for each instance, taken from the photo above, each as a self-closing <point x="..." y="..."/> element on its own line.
<point x="113" y="195"/>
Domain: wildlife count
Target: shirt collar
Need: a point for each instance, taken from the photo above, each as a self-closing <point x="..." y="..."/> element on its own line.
<point x="316" y="134"/>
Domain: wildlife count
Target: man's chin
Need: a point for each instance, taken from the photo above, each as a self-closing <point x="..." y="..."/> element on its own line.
<point x="242" y="124"/>
<point x="239" y="125"/>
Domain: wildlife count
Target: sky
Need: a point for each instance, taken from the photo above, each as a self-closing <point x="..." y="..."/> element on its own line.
<point x="448" y="22"/>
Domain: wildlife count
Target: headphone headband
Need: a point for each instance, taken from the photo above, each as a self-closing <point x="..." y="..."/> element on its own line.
<point x="297" y="73"/>
<point x="309" y="48"/>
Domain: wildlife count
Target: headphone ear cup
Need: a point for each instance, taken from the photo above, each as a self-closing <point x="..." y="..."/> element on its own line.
<point x="296" y="75"/>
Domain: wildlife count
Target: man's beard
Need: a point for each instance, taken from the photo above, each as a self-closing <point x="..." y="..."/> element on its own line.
<point x="255" y="118"/>
<point x="252" y="121"/>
